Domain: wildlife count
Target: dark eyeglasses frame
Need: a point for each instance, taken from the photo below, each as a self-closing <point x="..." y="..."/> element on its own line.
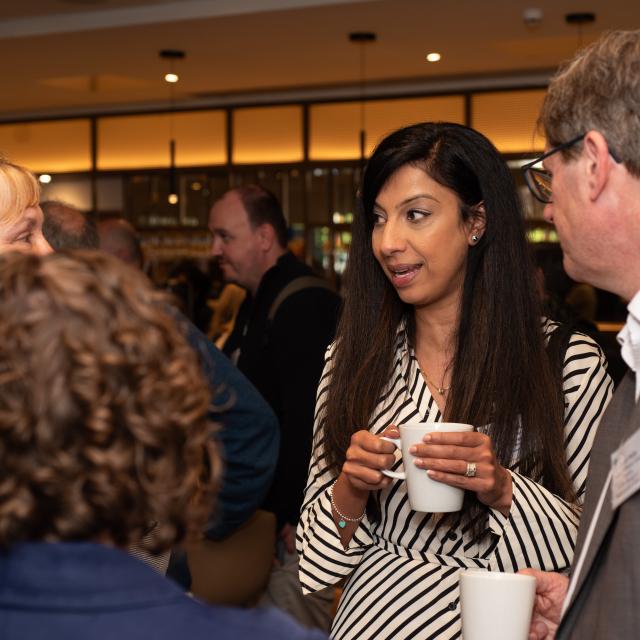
<point x="529" y="167"/>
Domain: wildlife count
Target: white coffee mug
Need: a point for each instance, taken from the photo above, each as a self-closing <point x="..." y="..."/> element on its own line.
<point x="495" y="605"/>
<point x="425" y="494"/>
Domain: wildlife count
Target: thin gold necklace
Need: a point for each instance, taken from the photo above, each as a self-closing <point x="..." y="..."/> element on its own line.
<point x="440" y="389"/>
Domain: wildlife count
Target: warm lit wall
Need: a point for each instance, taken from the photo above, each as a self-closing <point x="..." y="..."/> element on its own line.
<point x="335" y="128"/>
<point x="133" y="142"/>
<point x="508" y="119"/>
<point x="262" y="135"/>
<point x="58" y="146"/>
<point x="267" y="134"/>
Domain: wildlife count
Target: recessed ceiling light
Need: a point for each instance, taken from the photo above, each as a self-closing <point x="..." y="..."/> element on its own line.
<point x="45" y="178"/>
<point x="433" y="57"/>
<point x="171" y="77"/>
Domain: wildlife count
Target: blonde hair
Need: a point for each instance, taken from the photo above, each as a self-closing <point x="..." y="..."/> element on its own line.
<point x="599" y="89"/>
<point x="19" y="190"/>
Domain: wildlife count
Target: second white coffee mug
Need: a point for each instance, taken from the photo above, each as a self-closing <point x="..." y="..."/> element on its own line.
<point x="425" y="494"/>
<point x="495" y="605"/>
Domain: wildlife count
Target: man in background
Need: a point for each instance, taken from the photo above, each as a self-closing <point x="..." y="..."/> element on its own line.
<point x="118" y="237"/>
<point x="249" y="433"/>
<point x="66" y="227"/>
<point x="591" y="186"/>
<point x="282" y="330"/>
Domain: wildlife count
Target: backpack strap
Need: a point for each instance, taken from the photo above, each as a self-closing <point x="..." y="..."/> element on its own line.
<point x="297" y="284"/>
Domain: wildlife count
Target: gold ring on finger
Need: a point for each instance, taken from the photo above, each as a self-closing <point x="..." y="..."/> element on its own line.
<point x="471" y="470"/>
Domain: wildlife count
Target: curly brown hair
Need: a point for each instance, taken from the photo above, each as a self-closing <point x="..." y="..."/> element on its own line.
<point x="103" y="407"/>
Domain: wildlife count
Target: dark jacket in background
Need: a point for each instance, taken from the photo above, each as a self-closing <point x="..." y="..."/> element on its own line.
<point x="248" y="434"/>
<point x="284" y="360"/>
<point x="86" y="591"/>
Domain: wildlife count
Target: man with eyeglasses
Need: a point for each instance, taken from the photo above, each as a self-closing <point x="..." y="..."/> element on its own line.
<point x="589" y="180"/>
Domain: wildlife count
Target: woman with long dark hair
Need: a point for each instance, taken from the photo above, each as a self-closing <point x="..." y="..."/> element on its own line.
<point x="441" y="322"/>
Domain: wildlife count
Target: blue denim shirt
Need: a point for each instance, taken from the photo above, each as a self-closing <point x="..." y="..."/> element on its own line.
<point x="248" y="433"/>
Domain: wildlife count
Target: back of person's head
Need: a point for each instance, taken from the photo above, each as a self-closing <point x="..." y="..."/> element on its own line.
<point x="103" y="407"/>
<point x="118" y="237"/>
<point x="67" y="227"/>
<point x="263" y="207"/>
<point x="19" y="190"/>
<point x="599" y="89"/>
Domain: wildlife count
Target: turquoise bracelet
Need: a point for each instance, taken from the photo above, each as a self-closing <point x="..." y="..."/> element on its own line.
<point x="342" y="523"/>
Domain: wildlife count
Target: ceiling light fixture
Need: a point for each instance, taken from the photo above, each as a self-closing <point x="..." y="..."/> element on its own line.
<point x="44" y="178"/>
<point x="362" y="38"/>
<point x="579" y="19"/>
<point x="532" y="17"/>
<point x="171" y="77"/>
<point x="433" y="57"/>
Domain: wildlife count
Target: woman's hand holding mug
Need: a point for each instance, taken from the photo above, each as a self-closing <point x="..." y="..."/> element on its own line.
<point x="366" y="457"/>
<point x="466" y="461"/>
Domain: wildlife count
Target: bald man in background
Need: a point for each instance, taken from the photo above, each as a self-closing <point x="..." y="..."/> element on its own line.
<point x="118" y="237"/>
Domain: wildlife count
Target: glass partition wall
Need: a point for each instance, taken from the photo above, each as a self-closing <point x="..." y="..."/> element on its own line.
<point x="307" y="153"/>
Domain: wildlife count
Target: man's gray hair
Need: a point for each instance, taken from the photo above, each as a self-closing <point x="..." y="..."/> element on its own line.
<point x="599" y="89"/>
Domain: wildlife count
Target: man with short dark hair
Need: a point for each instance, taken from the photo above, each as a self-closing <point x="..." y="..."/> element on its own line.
<point x="67" y="227"/>
<point x="279" y="347"/>
<point x="281" y="332"/>
<point x="590" y="183"/>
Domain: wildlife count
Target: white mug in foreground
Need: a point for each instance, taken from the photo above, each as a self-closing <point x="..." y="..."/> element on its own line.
<point x="425" y="494"/>
<point x="496" y="606"/>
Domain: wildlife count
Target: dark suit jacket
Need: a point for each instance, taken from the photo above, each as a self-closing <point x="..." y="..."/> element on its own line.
<point x="86" y="591"/>
<point x="607" y="596"/>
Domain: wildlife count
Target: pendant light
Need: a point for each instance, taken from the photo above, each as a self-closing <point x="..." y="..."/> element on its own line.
<point x="362" y="39"/>
<point x="171" y="78"/>
<point x="579" y="19"/>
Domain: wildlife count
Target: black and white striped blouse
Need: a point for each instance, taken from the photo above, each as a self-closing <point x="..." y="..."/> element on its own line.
<point x="402" y="570"/>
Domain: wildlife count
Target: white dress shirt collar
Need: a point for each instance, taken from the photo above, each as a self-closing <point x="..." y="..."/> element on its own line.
<point x="629" y="339"/>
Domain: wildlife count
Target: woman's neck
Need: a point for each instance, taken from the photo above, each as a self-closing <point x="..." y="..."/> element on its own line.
<point x="436" y="329"/>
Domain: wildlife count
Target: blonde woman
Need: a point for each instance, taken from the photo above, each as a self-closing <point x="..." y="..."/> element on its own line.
<point x="20" y="214"/>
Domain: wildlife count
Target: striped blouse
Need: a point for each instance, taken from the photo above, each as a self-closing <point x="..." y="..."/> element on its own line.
<point x="402" y="570"/>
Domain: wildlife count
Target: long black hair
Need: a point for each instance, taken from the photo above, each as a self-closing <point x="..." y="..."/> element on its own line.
<point x="501" y="373"/>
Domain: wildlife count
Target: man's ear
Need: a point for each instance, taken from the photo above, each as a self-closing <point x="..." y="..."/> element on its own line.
<point x="477" y="223"/>
<point x="266" y="236"/>
<point x="598" y="162"/>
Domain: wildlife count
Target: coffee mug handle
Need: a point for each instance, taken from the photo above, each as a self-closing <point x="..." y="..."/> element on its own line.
<point x="400" y="475"/>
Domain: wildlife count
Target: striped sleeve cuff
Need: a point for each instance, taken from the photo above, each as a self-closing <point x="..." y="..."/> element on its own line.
<point x="540" y="530"/>
<point x="323" y="559"/>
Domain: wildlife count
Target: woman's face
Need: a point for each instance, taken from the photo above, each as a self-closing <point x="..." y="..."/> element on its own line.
<point x="25" y="233"/>
<point x="420" y="240"/>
